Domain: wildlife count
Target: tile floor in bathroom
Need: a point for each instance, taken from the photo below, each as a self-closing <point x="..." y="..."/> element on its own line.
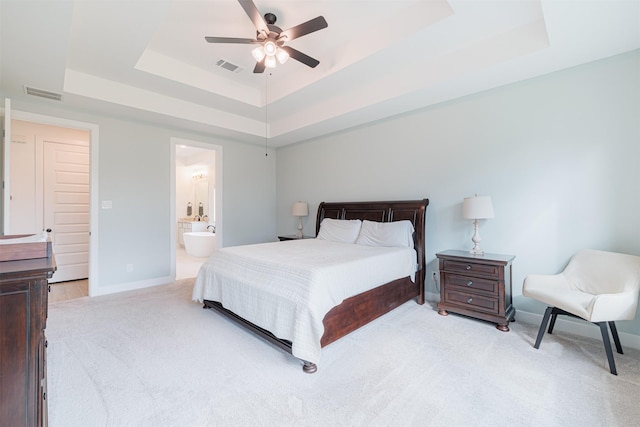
<point x="186" y="267"/>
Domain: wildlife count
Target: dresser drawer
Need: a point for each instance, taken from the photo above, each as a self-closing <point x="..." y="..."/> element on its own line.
<point x="472" y="268"/>
<point x="467" y="282"/>
<point x="472" y="301"/>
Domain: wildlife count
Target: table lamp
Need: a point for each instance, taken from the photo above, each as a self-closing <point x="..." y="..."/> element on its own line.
<point x="477" y="207"/>
<point x="300" y="209"/>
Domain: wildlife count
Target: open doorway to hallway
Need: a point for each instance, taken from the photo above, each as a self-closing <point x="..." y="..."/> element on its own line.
<point x="61" y="151"/>
<point x="50" y="176"/>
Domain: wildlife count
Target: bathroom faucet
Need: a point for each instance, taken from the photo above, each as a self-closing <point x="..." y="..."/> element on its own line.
<point x="213" y="228"/>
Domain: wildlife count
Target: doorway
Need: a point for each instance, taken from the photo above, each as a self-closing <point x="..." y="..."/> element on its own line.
<point x="50" y="173"/>
<point x="196" y="191"/>
<point x="86" y="239"/>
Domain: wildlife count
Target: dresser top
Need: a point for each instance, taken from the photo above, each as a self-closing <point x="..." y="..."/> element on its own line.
<point x="466" y="256"/>
<point x="43" y="266"/>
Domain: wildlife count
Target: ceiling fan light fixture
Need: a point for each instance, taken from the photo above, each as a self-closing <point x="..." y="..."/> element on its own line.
<point x="272" y="38"/>
<point x="282" y="55"/>
<point x="258" y="53"/>
<point x="270" y="47"/>
<point x="270" y="61"/>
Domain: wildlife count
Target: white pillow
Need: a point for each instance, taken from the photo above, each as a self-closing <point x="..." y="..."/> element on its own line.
<point x="339" y="230"/>
<point x="396" y="233"/>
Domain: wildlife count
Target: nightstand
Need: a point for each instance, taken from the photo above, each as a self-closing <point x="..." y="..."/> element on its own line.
<point x="476" y="286"/>
<point x="293" y="237"/>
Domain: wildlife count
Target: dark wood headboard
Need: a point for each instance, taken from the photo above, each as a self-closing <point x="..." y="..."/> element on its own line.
<point x="412" y="210"/>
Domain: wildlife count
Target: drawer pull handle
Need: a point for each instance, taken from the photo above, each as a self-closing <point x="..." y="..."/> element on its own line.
<point x="468" y="267"/>
<point x="469" y="300"/>
<point x="469" y="283"/>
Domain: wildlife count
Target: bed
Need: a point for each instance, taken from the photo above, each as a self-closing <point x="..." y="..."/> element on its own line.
<point x="254" y="285"/>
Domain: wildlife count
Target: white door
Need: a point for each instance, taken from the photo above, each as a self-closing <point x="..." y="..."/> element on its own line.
<point x="66" y="207"/>
<point x="6" y="179"/>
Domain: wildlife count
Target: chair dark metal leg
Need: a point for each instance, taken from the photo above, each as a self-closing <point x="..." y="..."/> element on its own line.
<point x="543" y="326"/>
<point x="552" y="324"/>
<point x="607" y="346"/>
<point x="614" y="334"/>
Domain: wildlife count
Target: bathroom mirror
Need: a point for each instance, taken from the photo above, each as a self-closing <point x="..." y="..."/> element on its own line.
<point x="202" y="196"/>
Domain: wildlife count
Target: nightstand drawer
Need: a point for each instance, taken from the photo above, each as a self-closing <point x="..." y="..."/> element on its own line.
<point x="468" y="282"/>
<point x="472" y="268"/>
<point x="472" y="301"/>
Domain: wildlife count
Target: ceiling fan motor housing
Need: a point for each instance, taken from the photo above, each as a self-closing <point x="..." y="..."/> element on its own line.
<point x="270" y="18"/>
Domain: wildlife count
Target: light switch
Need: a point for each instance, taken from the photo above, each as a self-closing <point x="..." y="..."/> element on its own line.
<point x="106" y="204"/>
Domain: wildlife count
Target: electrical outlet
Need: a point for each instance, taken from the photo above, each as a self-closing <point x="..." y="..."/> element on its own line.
<point x="129" y="268"/>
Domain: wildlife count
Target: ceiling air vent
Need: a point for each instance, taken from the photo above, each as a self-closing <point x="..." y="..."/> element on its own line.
<point x="223" y="63"/>
<point x="42" y="93"/>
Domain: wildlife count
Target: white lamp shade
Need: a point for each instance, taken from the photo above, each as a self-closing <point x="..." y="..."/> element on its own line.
<point x="258" y="53"/>
<point x="477" y="207"/>
<point x="300" y="209"/>
<point x="270" y="61"/>
<point x="282" y="55"/>
<point x="270" y="48"/>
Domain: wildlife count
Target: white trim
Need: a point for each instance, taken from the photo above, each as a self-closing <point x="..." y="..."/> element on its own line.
<point x="94" y="138"/>
<point x="130" y="286"/>
<point x="172" y="198"/>
<point x="6" y="146"/>
<point x="564" y="324"/>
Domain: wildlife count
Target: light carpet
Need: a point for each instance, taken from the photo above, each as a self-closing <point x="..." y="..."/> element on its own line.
<point x="153" y="357"/>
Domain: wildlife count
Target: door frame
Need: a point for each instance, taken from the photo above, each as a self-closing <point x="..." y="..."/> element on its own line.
<point x="94" y="137"/>
<point x="174" y="142"/>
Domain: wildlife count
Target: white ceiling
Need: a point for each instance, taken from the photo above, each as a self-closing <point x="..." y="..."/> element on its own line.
<point x="148" y="58"/>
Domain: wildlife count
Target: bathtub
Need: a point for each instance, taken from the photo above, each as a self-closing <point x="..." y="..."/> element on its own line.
<point x="200" y="243"/>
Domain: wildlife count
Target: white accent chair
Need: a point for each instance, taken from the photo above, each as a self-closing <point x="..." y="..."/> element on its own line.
<point x="597" y="286"/>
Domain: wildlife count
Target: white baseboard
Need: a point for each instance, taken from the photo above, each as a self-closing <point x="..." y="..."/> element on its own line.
<point x="130" y="286"/>
<point x="576" y="327"/>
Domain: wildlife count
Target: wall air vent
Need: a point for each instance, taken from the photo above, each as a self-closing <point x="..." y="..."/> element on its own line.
<point x="42" y="93"/>
<point x="223" y="63"/>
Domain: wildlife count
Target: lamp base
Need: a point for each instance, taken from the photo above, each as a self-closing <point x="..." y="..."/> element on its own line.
<point x="299" y="232"/>
<point x="476" y="241"/>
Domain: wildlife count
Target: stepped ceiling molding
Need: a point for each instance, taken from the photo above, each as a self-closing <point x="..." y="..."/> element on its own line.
<point x="148" y="60"/>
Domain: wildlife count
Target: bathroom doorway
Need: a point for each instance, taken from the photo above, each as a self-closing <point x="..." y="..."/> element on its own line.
<point x="196" y="201"/>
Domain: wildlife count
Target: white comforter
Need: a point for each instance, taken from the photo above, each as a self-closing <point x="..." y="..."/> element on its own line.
<point x="288" y="287"/>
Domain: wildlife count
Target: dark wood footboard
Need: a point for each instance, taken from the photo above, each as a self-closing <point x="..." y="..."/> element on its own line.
<point x="341" y="320"/>
<point x="361" y="309"/>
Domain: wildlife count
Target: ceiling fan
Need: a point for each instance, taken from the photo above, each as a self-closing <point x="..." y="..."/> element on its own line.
<point x="272" y="39"/>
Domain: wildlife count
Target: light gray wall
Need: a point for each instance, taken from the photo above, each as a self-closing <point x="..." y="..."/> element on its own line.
<point x="558" y="154"/>
<point x="134" y="173"/>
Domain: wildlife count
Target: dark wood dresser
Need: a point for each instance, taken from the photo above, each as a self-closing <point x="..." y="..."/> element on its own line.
<point x="23" y="317"/>
<point x="476" y="286"/>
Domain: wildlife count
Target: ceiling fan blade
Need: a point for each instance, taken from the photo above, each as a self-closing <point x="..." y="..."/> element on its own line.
<point x="230" y="40"/>
<point x="305" y="28"/>
<point x="299" y="56"/>
<point x="254" y="14"/>
<point x="259" y="68"/>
